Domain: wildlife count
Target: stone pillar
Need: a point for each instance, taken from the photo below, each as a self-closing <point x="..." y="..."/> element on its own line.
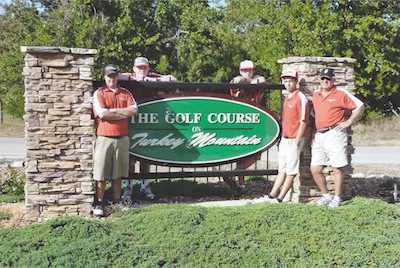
<point x="58" y="131"/>
<point x="309" y="69"/>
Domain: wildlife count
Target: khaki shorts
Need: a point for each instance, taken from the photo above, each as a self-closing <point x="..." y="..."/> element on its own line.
<point x="289" y="156"/>
<point x="111" y="158"/>
<point x="330" y="148"/>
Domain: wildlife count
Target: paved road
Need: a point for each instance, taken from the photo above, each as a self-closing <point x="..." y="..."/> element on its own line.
<point x="13" y="149"/>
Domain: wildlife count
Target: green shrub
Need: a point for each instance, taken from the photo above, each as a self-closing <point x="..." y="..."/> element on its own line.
<point x="4" y="216"/>
<point x="12" y="187"/>
<point x="362" y="233"/>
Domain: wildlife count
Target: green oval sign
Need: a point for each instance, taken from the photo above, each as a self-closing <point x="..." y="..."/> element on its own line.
<point x="200" y="130"/>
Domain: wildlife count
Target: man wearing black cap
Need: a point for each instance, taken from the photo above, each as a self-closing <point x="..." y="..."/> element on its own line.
<point x="330" y="142"/>
<point x="112" y="107"/>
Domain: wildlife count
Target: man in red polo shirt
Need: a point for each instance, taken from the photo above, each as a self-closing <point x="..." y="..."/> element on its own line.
<point x="112" y="107"/>
<point x="330" y="142"/>
<point x="295" y="118"/>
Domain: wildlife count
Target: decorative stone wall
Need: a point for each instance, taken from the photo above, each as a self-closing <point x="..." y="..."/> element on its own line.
<point x="309" y="69"/>
<point x="58" y="131"/>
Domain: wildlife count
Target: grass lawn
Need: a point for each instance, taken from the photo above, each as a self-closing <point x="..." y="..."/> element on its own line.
<point x="12" y="127"/>
<point x="362" y="233"/>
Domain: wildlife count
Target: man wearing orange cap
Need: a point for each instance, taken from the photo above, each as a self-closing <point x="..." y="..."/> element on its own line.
<point x="295" y="118"/>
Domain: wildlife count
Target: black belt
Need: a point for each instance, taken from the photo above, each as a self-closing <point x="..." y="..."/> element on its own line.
<point x="115" y="137"/>
<point x="323" y="130"/>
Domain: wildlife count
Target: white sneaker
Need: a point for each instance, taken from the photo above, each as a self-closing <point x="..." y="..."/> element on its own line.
<point x="265" y="199"/>
<point x="335" y="202"/>
<point x="127" y="195"/>
<point x="324" y="200"/>
<point x="146" y="191"/>
<point x="98" y="211"/>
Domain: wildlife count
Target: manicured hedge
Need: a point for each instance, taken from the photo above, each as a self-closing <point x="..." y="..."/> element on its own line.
<point x="362" y="233"/>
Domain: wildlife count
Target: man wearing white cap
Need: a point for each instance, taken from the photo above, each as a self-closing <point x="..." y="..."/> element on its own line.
<point x="247" y="75"/>
<point x="294" y="123"/>
<point x="141" y="72"/>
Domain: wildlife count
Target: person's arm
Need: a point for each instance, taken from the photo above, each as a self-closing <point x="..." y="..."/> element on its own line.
<point x="355" y="115"/>
<point x="304" y="117"/>
<point x="258" y="80"/>
<point x="118" y="113"/>
<point x="167" y="78"/>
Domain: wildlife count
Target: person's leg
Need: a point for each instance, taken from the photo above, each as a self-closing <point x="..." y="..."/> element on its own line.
<point x="100" y="189"/>
<point x="286" y="186"/>
<point x="319" y="178"/>
<point x="338" y="177"/>
<point x="145" y="187"/>
<point x="98" y="209"/>
<point x="144" y="168"/>
<point x="244" y="164"/>
<point x="280" y="179"/>
<point x="116" y="190"/>
<point x="289" y="158"/>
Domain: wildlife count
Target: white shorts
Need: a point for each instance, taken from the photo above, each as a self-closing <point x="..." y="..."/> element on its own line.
<point x="289" y="156"/>
<point x="330" y="148"/>
<point x="111" y="158"/>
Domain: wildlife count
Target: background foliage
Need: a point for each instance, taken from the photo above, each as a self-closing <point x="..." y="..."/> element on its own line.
<point x="205" y="41"/>
<point x="268" y="235"/>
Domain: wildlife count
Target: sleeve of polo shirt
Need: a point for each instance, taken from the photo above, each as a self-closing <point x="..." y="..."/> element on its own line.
<point x="131" y="101"/>
<point x="351" y="102"/>
<point x="99" y="105"/>
<point x="305" y="108"/>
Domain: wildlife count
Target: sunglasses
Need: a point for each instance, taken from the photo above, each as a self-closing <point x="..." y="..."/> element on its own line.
<point x="325" y="78"/>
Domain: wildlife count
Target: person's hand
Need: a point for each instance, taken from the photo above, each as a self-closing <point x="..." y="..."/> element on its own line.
<point x="297" y="141"/>
<point x="343" y="125"/>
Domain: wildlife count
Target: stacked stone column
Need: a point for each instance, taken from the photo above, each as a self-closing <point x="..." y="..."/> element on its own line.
<point x="309" y="69"/>
<point x="58" y="131"/>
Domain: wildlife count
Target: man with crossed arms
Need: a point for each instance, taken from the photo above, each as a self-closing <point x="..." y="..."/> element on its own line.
<point x="330" y="141"/>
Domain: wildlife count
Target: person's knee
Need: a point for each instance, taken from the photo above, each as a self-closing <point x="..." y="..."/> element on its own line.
<point x="337" y="171"/>
<point x="316" y="170"/>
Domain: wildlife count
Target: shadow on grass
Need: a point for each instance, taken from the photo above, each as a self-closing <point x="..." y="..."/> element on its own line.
<point x="178" y="190"/>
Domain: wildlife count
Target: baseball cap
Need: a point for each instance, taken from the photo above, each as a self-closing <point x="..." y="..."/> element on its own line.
<point x="327" y="73"/>
<point x="110" y="69"/>
<point x="246" y="64"/>
<point x="289" y="73"/>
<point x="141" y="61"/>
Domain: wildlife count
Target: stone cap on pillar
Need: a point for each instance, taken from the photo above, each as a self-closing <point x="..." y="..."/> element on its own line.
<point x="316" y="59"/>
<point x="82" y="51"/>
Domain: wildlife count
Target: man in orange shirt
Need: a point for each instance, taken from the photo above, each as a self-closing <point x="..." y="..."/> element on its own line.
<point x="294" y="123"/>
<point x="112" y="107"/>
<point x="330" y="141"/>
